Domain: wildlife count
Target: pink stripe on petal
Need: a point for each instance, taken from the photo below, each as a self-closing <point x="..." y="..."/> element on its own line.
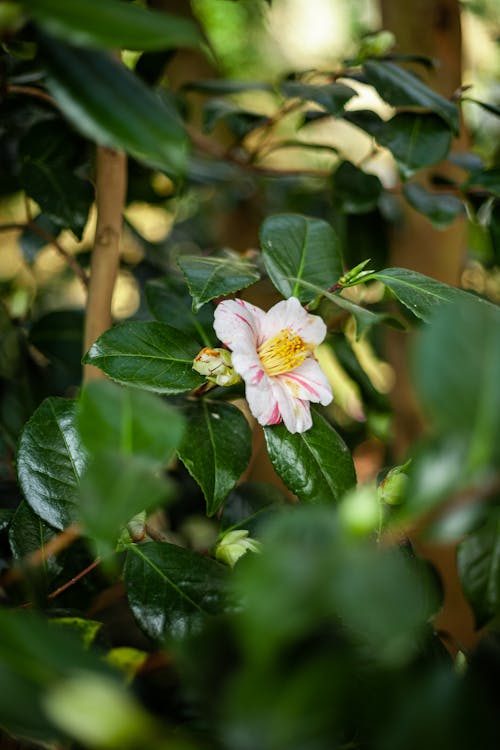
<point x="304" y="383"/>
<point x="275" y="417"/>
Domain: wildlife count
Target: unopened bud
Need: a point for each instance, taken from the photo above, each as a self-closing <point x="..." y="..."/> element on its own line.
<point x="377" y="45"/>
<point x="216" y="366"/>
<point x="234" y="545"/>
<point x="359" y="510"/>
<point x="392" y="489"/>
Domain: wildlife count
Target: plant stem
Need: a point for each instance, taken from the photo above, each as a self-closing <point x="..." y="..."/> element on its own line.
<point x="111" y="182"/>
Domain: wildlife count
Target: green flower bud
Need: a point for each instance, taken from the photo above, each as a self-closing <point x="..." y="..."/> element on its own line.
<point x="392" y="489"/>
<point x="377" y="45"/>
<point x="234" y="545"/>
<point x="216" y="366"/>
<point x="359" y="510"/>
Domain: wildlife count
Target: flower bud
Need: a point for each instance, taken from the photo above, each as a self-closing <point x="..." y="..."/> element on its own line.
<point x="392" y="489"/>
<point x="216" y="366"/>
<point x="234" y="545"/>
<point x="359" y="510"/>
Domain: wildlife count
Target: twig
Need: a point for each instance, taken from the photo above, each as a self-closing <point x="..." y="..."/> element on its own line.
<point x="51" y="240"/>
<point x="111" y="182"/>
<point x="75" y="579"/>
<point x="31" y="91"/>
<point x="53" y="547"/>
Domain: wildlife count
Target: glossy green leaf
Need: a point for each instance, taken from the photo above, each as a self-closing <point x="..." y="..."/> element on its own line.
<point x="456" y="372"/>
<point x="354" y="190"/>
<point x="28" y="533"/>
<point x="415" y="140"/>
<point x="169" y="300"/>
<point x="172" y="590"/>
<point x="332" y="97"/>
<point x="114" y="488"/>
<point x="210" y="277"/>
<point x="128" y="421"/>
<point x="316" y="465"/>
<point x="419" y="293"/>
<point x="215" y="449"/>
<point x="107" y="103"/>
<point x="50" y="462"/>
<point x="402" y="89"/>
<point x="113" y="24"/>
<point x="50" y="154"/>
<point x="478" y="562"/>
<point x="149" y="355"/>
<point x="301" y="248"/>
<point x="440" y="208"/>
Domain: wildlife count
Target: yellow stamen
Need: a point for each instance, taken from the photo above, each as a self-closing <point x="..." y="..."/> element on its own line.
<point x="283" y="352"/>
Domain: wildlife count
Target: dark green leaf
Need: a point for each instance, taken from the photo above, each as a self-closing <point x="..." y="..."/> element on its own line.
<point x="415" y="140"/>
<point x="29" y="533"/>
<point x="301" y="248"/>
<point x="6" y="515"/>
<point x="113" y="24"/>
<point x="210" y="277"/>
<point x="365" y="119"/>
<point x="114" y="488"/>
<point x="108" y="104"/>
<point x="31" y="243"/>
<point x="149" y="355"/>
<point x="59" y="336"/>
<point x="419" y="293"/>
<point x="215" y="449"/>
<point x="10" y="349"/>
<point x="457" y="371"/>
<point x="440" y="208"/>
<point x="172" y="590"/>
<point x="489" y="179"/>
<point x="316" y="465"/>
<point x="332" y="97"/>
<point x="478" y="561"/>
<point x="49" y="157"/>
<point x="130" y="422"/>
<point x="493" y="109"/>
<point x="402" y="89"/>
<point x="494" y="231"/>
<point x="355" y="191"/>
<point x="50" y="462"/>
<point x="250" y="504"/>
<point x="169" y="300"/>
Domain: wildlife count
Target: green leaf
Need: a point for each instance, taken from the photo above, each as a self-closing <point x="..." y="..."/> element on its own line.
<point x="489" y="179"/>
<point x="493" y="109"/>
<point x="355" y="191"/>
<point x="239" y="121"/>
<point x="216" y="448"/>
<point x="58" y="335"/>
<point x="172" y="590"/>
<point x="402" y="89"/>
<point x="456" y="372"/>
<point x="113" y="24"/>
<point x="316" y="465"/>
<point x="210" y="277"/>
<point x="109" y="104"/>
<point x="419" y="293"/>
<point x="10" y="349"/>
<point x="114" y="488"/>
<point x="169" y="300"/>
<point x="415" y="140"/>
<point x="226" y="86"/>
<point x="29" y="533"/>
<point x="440" y="208"/>
<point x="302" y="248"/>
<point x="50" y="462"/>
<point x="332" y="97"/>
<point x="130" y="422"/>
<point x="478" y="562"/>
<point x="49" y="155"/>
<point x="149" y="355"/>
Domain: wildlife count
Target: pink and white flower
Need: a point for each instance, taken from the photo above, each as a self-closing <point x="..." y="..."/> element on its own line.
<point x="274" y="354"/>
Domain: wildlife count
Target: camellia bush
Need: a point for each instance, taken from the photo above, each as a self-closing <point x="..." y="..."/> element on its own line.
<point x="155" y="591"/>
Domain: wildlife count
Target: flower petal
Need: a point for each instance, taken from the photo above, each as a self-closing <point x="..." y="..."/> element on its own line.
<point x="295" y="412"/>
<point x="238" y="324"/>
<point x="262" y="402"/>
<point x="308" y="382"/>
<point x="289" y="313"/>
<point x="248" y="365"/>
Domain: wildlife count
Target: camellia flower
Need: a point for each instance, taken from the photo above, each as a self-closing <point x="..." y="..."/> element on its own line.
<point x="273" y="353"/>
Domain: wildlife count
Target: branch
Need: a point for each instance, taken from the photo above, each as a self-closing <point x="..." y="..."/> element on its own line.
<point x="111" y="182"/>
